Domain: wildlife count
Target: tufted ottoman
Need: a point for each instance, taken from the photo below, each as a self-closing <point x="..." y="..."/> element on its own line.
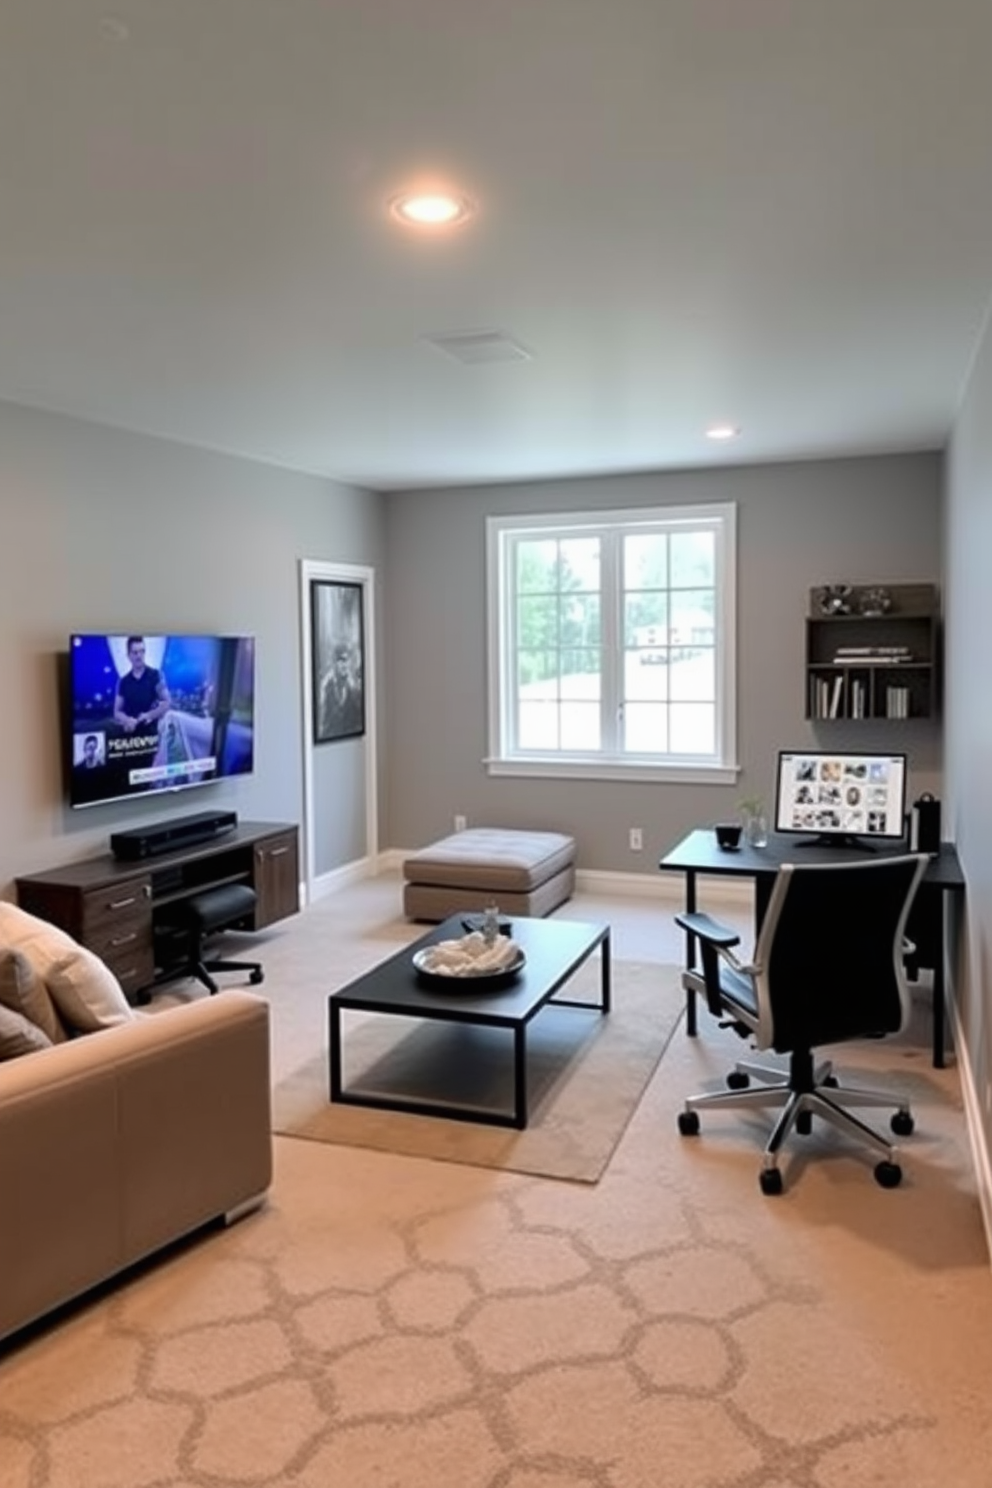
<point x="525" y="873"/>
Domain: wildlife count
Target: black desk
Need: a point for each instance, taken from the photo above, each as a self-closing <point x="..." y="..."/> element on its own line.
<point x="699" y="853"/>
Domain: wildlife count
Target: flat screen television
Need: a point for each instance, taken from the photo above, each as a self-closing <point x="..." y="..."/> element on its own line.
<point x="149" y="713"/>
<point x="841" y="799"/>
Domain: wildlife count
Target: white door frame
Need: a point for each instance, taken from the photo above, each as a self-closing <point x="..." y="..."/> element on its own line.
<point x="348" y="573"/>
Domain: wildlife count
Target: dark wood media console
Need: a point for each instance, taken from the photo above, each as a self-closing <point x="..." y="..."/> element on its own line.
<point x="110" y="906"/>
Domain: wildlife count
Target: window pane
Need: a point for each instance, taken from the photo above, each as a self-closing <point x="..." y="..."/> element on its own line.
<point x="693" y="728"/>
<point x="646" y="676"/>
<point x="580" y="620"/>
<point x="645" y="728"/>
<point x="692" y="618"/>
<point x="580" y="674"/>
<point x="645" y="561"/>
<point x="537" y="724"/>
<point x="537" y="623"/>
<point x="580" y="726"/>
<point x="692" y="675"/>
<point x="579" y="563"/>
<point x="693" y="557"/>
<point x="537" y="671"/>
<point x="645" y="619"/>
<point x="537" y="566"/>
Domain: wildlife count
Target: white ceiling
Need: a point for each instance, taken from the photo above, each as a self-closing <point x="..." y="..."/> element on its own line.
<point x="774" y="212"/>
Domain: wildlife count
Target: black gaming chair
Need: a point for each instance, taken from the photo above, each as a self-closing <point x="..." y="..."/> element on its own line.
<point x="828" y="966"/>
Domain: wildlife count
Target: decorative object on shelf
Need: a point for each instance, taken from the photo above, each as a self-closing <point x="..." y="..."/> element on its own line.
<point x="755" y="822"/>
<point x="834" y="599"/>
<point x="876" y="601"/>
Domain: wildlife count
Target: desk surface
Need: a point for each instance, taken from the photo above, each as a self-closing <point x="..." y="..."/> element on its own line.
<point x="698" y="853"/>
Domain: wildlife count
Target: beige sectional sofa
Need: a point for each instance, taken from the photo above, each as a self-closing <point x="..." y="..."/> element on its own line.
<point x="118" y="1141"/>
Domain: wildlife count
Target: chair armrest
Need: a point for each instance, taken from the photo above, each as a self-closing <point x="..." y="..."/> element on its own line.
<point x="708" y="929"/>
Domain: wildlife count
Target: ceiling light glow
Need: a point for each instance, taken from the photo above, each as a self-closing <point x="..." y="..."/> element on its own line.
<point x="722" y="431"/>
<point x="431" y="209"/>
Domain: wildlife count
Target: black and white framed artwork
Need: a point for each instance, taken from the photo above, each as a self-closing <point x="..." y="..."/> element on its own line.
<point x="337" y="649"/>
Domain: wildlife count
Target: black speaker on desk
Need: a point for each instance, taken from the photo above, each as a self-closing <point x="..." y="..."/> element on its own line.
<point x="924" y="825"/>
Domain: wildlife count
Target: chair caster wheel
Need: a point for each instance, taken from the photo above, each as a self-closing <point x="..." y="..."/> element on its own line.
<point x="689" y="1123"/>
<point x="902" y="1124"/>
<point x="771" y="1181"/>
<point x="831" y="1082"/>
<point x="738" y="1080"/>
<point x="256" y="977"/>
<point x="888" y="1174"/>
<point x="804" y="1123"/>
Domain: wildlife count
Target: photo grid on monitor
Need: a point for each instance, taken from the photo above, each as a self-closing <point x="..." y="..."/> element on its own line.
<point x="837" y="794"/>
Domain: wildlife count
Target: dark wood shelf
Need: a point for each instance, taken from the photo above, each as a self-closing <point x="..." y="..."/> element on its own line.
<point x="874" y="666"/>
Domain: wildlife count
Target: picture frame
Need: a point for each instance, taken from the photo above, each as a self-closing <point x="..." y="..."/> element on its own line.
<point x="337" y="654"/>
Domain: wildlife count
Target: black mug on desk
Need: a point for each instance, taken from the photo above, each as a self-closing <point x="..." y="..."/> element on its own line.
<point x="924" y="825"/>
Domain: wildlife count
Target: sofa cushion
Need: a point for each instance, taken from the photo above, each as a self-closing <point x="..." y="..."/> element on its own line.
<point x="84" y="990"/>
<point x="24" y="993"/>
<point x="18" y="1035"/>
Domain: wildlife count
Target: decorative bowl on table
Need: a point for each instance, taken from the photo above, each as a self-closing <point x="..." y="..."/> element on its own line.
<point x="471" y="961"/>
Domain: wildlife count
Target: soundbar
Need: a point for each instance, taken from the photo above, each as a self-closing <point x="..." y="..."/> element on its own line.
<point x="185" y="831"/>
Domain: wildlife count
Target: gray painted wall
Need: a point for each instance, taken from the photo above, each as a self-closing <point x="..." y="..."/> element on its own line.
<point x="969" y="712"/>
<point x="102" y="529"/>
<point x="798" y="525"/>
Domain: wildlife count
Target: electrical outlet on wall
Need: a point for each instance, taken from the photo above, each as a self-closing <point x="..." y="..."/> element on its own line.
<point x="460" y="823"/>
<point x="636" y="839"/>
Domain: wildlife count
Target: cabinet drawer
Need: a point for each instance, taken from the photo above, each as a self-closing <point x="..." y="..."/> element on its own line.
<point x="134" y="968"/>
<point x="108" y="908"/>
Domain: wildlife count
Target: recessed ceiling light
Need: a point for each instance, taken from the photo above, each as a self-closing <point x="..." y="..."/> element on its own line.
<point x="431" y="209"/>
<point x="722" y="431"/>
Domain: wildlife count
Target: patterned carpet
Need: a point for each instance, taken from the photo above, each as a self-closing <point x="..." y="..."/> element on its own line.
<point x="395" y="1322"/>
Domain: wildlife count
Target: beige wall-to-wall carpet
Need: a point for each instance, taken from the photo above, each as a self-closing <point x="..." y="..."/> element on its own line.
<point x="404" y="1323"/>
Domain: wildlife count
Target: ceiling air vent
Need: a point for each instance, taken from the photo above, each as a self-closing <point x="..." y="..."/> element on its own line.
<point x="479" y="346"/>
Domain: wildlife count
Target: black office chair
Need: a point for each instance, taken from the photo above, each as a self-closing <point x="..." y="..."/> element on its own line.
<point x="192" y="920"/>
<point x="828" y="967"/>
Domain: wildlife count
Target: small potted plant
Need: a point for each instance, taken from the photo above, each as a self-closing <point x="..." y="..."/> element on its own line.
<point x="752" y="810"/>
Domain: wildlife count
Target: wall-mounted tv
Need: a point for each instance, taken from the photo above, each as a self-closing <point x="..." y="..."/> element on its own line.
<point x="151" y="713"/>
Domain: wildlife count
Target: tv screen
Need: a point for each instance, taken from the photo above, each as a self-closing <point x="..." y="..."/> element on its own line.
<point x="153" y="713"/>
<point x="838" y="797"/>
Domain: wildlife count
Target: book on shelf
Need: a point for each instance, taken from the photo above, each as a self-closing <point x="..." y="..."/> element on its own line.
<point x="897" y="702"/>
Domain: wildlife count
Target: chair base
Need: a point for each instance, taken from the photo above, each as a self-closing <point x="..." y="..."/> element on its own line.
<point x="804" y="1092"/>
<point x="203" y="970"/>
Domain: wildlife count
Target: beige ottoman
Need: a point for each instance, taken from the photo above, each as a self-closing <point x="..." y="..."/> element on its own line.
<point x="525" y="873"/>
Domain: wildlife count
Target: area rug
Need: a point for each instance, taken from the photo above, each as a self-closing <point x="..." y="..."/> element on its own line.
<point x="586" y="1074"/>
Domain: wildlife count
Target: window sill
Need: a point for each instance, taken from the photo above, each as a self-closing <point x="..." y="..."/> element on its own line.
<point x="580" y="769"/>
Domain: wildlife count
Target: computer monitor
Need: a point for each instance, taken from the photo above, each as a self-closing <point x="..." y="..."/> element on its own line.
<point x="847" y="800"/>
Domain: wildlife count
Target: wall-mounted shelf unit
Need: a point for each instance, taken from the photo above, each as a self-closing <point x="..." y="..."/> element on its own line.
<point x="873" y="662"/>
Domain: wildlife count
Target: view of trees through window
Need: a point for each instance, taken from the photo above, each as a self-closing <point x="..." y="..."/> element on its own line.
<point x="614" y="641"/>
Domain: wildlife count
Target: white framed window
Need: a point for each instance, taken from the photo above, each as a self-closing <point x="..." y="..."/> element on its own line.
<point x="612" y="648"/>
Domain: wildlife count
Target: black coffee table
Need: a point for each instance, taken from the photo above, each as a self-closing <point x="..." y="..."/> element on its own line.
<point x="554" y="949"/>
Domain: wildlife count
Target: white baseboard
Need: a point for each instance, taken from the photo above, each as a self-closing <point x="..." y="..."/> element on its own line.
<point x="340" y="878"/>
<point x="667" y="888"/>
<point x="976" y="1127"/>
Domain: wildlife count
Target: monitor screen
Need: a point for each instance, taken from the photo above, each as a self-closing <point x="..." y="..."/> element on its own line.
<point x="840" y="796"/>
<point x="153" y="713"/>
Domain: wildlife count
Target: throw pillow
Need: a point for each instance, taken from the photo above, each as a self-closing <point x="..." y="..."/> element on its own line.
<point x="86" y="992"/>
<point x="18" y="1035"/>
<point x="23" y="992"/>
